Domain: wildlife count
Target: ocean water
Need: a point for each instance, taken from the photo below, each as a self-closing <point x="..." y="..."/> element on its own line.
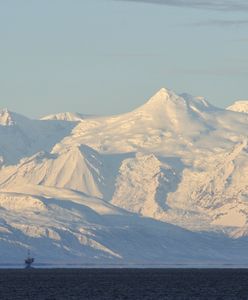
<point x="124" y="284"/>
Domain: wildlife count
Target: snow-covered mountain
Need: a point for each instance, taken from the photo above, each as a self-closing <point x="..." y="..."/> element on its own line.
<point x="165" y="183"/>
<point x="66" y="116"/>
<point x="21" y="137"/>
<point x="239" y="106"/>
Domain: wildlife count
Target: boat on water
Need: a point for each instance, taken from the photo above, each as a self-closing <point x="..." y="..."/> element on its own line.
<point x="29" y="261"/>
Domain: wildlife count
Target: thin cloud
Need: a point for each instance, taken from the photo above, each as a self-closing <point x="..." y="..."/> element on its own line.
<point x="227" y="72"/>
<point x="224" y="5"/>
<point x="135" y="54"/>
<point x="221" y="23"/>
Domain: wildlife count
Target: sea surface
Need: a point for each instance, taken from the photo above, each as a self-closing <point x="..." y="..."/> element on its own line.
<point x="124" y="284"/>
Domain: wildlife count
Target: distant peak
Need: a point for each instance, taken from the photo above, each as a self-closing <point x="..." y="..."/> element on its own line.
<point x="65" y="116"/>
<point x="168" y="106"/>
<point x="163" y="93"/>
<point x="161" y="99"/>
<point x="239" y="106"/>
<point x="9" y="118"/>
<point x="6" y="118"/>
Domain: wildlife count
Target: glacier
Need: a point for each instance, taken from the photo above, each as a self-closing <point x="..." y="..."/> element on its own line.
<point x="165" y="184"/>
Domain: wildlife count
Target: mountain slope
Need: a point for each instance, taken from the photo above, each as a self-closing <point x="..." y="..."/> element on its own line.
<point x="61" y="231"/>
<point x="71" y="169"/>
<point x="143" y="185"/>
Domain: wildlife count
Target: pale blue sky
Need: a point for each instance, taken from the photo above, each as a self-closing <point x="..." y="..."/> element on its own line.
<point x="109" y="56"/>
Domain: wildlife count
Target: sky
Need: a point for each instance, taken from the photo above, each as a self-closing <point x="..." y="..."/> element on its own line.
<point x="110" y="56"/>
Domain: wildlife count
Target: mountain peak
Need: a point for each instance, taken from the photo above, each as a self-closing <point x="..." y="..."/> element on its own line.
<point x="168" y="100"/>
<point x="9" y="118"/>
<point x="163" y="92"/>
<point x="239" y="106"/>
<point x="6" y="117"/>
<point x="64" y="116"/>
<point x="161" y="96"/>
<point x="160" y="100"/>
